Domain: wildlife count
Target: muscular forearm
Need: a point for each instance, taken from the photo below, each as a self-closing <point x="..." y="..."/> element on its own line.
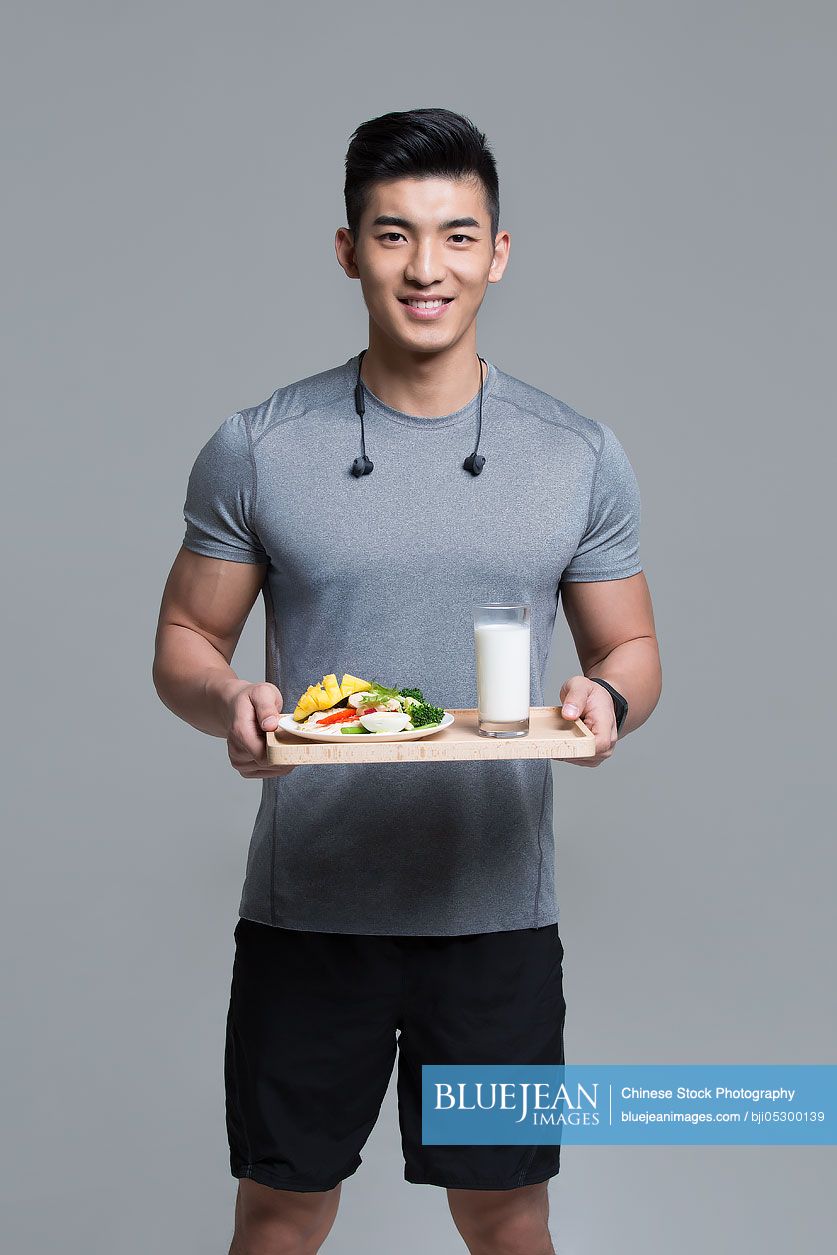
<point x="633" y="668"/>
<point x="193" y="679"/>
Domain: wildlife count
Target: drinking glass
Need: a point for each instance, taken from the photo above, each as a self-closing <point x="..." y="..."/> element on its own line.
<point x="502" y="649"/>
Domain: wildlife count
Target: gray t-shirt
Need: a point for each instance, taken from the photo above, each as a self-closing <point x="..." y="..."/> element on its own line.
<point x="377" y="576"/>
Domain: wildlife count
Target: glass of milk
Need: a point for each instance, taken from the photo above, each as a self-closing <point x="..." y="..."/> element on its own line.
<point x="502" y="650"/>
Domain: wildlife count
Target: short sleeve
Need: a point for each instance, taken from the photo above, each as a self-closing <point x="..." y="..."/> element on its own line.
<point x="220" y="497"/>
<point x="609" y="548"/>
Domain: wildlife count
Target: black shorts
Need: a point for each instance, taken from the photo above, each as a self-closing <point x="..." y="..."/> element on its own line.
<point x="311" y="1042"/>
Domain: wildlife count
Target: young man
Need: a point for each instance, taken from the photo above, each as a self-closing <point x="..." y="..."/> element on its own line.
<point x="402" y="909"/>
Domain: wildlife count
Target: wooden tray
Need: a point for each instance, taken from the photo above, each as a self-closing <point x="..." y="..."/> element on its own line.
<point x="550" y="736"/>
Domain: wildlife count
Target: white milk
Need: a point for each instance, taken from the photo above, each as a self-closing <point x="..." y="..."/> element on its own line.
<point x="502" y="657"/>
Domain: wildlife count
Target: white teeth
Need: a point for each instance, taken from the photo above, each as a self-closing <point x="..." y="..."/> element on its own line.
<point x="425" y="304"/>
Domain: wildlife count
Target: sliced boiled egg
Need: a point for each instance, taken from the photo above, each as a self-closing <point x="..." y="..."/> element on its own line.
<point x="385" y="721"/>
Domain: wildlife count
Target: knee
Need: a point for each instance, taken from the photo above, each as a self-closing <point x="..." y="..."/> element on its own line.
<point x="271" y="1237"/>
<point x="503" y="1225"/>
<point x="508" y="1235"/>
<point x="282" y="1222"/>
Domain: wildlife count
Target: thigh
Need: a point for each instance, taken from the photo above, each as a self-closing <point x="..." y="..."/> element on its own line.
<point x="310" y="1047"/>
<point x="481" y="998"/>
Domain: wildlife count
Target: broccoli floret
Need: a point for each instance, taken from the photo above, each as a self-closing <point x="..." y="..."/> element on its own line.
<point x="416" y="693"/>
<point x="423" y="715"/>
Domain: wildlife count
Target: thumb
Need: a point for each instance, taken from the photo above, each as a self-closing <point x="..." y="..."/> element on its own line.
<point x="267" y="701"/>
<point x="575" y="697"/>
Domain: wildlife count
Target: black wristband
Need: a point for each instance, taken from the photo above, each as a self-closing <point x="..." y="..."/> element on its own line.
<point x="620" y="704"/>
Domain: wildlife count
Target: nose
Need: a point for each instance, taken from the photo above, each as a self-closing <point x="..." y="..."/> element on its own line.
<point x="424" y="265"/>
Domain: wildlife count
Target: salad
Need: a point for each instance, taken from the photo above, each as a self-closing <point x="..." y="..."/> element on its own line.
<point x="357" y="707"/>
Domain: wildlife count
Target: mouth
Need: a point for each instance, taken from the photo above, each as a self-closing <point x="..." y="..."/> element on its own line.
<point x="417" y="307"/>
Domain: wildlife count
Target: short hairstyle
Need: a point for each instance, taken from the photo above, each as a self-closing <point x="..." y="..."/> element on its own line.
<point x="418" y="143"/>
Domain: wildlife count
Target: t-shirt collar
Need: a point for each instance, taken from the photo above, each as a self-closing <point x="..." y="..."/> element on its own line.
<point x="375" y="405"/>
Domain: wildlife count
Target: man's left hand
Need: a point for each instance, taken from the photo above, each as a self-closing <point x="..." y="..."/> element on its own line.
<point x="584" y="699"/>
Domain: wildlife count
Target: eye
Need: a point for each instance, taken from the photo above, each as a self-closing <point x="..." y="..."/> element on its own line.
<point x="388" y="234"/>
<point x="462" y="237"/>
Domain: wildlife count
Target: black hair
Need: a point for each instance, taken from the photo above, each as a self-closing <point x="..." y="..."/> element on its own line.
<point x="418" y="143"/>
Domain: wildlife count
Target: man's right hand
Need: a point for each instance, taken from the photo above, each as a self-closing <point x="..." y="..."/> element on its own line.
<point x="253" y="710"/>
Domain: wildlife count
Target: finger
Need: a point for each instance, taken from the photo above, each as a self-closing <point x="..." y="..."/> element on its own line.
<point x="247" y="747"/>
<point x="245" y="744"/>
<point x="598" y="713"/>
<point x="575" y="695"/>
<point x="603" y="730"/>
<point x="246" y="765"/>
<point x="267" y="773"/>
<point x="266" y="700"/>
<point x="594" y="760"/>
<point x="261" y="702"/>
<point x="250" y="762"/>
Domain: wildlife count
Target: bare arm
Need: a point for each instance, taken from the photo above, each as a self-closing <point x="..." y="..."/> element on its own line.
<point x="205" y="605"/>
<point x="206" y="602"/>
<point x="612" y="623"/>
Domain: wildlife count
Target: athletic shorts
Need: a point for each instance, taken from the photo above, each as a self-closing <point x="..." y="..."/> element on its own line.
<point x="317" y="1019"/>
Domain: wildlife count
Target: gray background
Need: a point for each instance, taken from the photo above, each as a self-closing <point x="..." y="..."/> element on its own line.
<point x="175" y="184"/>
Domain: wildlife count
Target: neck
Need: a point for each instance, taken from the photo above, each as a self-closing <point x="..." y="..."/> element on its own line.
<point x="428" y="384"/>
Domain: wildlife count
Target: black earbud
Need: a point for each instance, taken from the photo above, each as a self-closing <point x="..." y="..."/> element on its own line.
<point x="363" y="465"/>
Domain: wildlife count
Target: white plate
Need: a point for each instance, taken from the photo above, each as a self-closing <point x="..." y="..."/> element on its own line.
<point x="288" y="724"/>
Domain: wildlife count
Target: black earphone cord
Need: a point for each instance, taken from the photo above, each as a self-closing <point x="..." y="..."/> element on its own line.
<point x="363" y="465"/>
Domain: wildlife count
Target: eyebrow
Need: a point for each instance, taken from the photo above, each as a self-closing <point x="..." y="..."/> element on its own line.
<point x="389" y="220"/>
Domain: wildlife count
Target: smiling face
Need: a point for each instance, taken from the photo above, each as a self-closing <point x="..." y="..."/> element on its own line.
<point x="424" y="240"/>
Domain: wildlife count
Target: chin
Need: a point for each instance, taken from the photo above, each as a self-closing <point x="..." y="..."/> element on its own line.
<point x="422" y="337"/>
